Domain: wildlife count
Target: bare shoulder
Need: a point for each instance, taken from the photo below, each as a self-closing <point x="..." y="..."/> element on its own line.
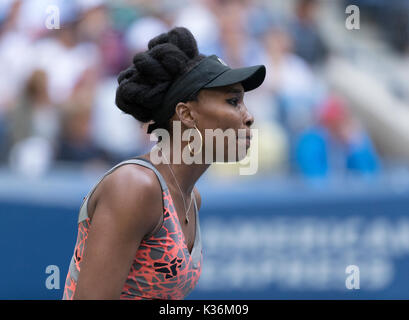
<point x="131" y="177"/>
<point x="128" y="205"/>
<point x="132" y="193"/>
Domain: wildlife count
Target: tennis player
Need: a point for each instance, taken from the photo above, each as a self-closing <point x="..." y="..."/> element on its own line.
<point x="138" y="232"/>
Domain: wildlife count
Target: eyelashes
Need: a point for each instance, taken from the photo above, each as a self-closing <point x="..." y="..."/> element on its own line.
<point x="233" y="101"/>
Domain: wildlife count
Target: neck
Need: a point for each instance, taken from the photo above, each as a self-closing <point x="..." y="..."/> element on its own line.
<point x="185" y="174"/>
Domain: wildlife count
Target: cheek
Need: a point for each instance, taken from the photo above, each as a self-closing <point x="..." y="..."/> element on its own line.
<point x="223" y="117"/>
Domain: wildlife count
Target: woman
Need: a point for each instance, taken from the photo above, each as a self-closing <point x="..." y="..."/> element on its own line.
<point x="139" y="234"/>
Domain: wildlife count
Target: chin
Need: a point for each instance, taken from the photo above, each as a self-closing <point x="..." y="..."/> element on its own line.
<point x="238" y="155"/>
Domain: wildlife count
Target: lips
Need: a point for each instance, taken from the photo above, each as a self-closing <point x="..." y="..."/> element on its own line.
<point x="248" y="140"/>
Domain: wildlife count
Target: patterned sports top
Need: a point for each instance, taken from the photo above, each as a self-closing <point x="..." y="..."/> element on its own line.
<point x="162" y="268"/>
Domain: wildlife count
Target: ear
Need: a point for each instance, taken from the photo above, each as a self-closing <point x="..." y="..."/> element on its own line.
<point x="186" y="113"/>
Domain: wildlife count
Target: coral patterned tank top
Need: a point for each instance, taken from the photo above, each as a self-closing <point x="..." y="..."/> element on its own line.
<point x="162" y="268"/>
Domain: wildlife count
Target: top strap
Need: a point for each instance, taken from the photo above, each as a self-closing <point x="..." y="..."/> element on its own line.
<point x="83" y="214"/>
<point x="148" y="164"/>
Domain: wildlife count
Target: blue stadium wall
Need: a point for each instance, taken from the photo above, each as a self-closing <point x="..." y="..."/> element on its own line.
<point x="261" y="240"/>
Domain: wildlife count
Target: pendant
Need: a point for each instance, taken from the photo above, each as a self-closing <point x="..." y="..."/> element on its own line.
<point x="187" y="219"/>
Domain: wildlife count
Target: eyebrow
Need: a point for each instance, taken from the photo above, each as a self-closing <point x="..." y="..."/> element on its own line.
<point x="234" y="90"/>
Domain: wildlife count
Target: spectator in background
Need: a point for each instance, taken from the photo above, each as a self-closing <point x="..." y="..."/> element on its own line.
<point x="33" y="125"/>
<point x="395" y="24"/>
<point x="295" y="88"/>
<point x="6" y="23"/>
<point x="392" y="18"/>
<point x="34" y="115"/>
<point x="200" y="18"/>
<point x="15" y="55"/>
<point x="76" y="63"/>
<point x="75" y="143"/>
<point x="235" y="45"/>
<point x="337" y="144"/>
<point x="222" y="27"/>
<point x="141" y="31"/>
<point x="113" y="131"/>
<point x="308" y="43"/>
<point x="65" y="56"/>
<point x="95" y="26"/>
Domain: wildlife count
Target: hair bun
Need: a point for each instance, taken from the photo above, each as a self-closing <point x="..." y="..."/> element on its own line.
<point x="143" y="85"/>
<point x="126" y="74"/>
<point x="181" y="38"/>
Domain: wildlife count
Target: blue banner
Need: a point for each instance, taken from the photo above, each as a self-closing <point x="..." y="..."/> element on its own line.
<point x="261" y="240"/>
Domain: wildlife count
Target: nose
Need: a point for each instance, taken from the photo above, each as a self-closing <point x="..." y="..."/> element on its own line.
<point x="248" y="118"/>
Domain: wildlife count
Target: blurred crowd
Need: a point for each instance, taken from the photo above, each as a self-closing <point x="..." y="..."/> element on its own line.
<point x="392" y="18"/>
<point x="57" y="86"/>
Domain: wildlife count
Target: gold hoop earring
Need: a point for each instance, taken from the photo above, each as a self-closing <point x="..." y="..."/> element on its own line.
<point x="201" y="141"/>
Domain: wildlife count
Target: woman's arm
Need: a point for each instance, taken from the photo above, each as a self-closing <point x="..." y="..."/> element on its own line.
<point x="129" y="206"/>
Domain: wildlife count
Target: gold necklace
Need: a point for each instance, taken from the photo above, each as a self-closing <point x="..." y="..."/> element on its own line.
<point x="181" y="193"/>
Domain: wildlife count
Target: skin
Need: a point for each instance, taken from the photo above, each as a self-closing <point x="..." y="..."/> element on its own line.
<point x="127" y="204"/>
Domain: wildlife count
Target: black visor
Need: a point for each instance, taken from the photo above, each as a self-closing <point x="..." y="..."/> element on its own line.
<point x="211" y="72"/>
<point x="250" y="77"/>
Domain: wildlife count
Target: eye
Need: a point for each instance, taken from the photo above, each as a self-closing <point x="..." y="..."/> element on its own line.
<point x="233" y="101"/>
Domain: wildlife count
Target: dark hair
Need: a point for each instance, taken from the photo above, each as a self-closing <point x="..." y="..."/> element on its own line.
<point x="143" y="85"/>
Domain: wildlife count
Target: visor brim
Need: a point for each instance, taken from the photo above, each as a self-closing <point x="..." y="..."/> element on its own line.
<point x="250" y="78"/>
